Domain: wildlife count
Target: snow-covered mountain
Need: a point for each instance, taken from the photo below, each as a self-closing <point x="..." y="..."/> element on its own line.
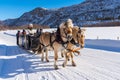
<point x="85" y="13"/>
<point x="1" y="23"/>
<point x="9" y="22"/>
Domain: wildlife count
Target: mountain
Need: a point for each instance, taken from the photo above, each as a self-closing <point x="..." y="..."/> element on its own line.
<point x="9" y="22"/>
<point x="1" y="23"/>
<point x="86" y="13"/>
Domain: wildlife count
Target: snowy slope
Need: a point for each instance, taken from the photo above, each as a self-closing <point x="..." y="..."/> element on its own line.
<point x="86" y="13"/>
<point x="93" y="64"/>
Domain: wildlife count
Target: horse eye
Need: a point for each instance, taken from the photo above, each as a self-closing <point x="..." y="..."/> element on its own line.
<point x="82" y="35"/>
<point x="79" y="31"/>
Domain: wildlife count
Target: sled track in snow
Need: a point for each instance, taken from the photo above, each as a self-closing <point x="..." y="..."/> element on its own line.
<point x="19" y="64"/>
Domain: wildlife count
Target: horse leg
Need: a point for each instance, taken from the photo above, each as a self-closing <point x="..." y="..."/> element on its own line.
<point x="47" y="56"/>
<point x="42" y="58"/>
<point x="69" y="57"/>
<point x="62" y="54"/>
<point x="73" y="63"/>
<point x="66" y="59"/>
<point x="55" y="58"/>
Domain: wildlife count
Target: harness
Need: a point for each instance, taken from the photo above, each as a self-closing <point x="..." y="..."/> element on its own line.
<point x="51" y="42"/>
<point x="75" y="43"/>
<point x="59" y="40"/>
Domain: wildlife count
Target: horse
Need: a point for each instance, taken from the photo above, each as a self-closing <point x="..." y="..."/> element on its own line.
<point x="79" y="41"/>
<point x="55" y="41"/>
<point x="53" y="44"/>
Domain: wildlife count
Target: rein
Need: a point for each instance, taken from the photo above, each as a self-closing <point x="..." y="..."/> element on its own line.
<point x="58" y="39"/>
<point x="51" y="42"/>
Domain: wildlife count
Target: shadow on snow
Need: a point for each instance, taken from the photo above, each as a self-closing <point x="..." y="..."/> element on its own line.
<point x="9" y="34"/>
<point x="108" y="45"/>
<point x="14" y="61"/>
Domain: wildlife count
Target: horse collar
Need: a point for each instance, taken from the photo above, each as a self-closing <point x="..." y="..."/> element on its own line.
<point x="58" y="36"/>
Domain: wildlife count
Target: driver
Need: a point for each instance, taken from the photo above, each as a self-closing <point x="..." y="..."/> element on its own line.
<point x="30" y="30"/>
<point x="31" y="33"/>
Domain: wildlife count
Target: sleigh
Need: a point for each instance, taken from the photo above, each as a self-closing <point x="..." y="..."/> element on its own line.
<point x="26" y="41"/>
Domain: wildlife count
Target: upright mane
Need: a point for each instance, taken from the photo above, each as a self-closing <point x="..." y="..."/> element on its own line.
<point x="65" y="30"/>
<point x="58" y="36"/>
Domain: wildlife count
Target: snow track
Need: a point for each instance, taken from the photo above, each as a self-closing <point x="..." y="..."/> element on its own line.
<point x="93" y="64"/>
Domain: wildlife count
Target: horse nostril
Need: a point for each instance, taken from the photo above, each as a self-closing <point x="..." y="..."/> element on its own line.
<point x="69" y="37"/>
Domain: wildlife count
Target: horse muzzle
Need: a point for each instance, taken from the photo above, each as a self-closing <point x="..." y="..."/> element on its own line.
<point x="77" y="45"/>
<point x="82" y="46"/>
<point x="69" y="37"/>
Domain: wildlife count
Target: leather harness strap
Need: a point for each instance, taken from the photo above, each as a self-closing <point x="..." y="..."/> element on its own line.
<point x="58" y="39"/>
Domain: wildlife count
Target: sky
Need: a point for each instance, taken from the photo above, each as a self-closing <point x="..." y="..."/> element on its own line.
<point x="10" y="9"/>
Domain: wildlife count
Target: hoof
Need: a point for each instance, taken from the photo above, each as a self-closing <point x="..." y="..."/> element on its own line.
<point x="68" y="59"/>
<point x="73" y="64"/>
<point x="56" y="67"/>
<point x="63" y="65"/>
<point x="42" y="60"/>
<point x="62" y="55"/>
<point x="47" y="60"/>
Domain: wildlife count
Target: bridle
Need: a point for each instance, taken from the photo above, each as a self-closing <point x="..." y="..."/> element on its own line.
<point x="66" y="33"/>
<point x="79" y="36"/>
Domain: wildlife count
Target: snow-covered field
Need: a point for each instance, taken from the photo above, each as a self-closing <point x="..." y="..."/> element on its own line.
<point x="99" y="60"/>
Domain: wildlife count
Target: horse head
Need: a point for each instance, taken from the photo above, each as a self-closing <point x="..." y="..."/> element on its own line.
<point x="82" y="40"/>
<point x="79" y="36"/>
<point x="66" y="30"/>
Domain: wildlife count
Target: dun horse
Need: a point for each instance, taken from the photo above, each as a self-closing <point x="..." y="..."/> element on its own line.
<point x="65" y="38"/>
<point x="56" y="41"/>
<point x="79" y="38"/>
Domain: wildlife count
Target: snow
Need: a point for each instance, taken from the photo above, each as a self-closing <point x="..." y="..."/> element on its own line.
<point x="105" y="38"/>
<point x="99" y="60"/>
<point x="110" y="33"/>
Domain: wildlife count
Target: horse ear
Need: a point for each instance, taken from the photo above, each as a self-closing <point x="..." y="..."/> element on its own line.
<point x="79" y="30"/>
<point x="65" y="23"/>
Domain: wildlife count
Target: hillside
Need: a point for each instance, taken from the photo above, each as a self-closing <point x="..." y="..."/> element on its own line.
<point x="86" y="13"/>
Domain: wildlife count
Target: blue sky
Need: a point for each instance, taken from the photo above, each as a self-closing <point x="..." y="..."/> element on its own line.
<point x="15" y="8"/>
